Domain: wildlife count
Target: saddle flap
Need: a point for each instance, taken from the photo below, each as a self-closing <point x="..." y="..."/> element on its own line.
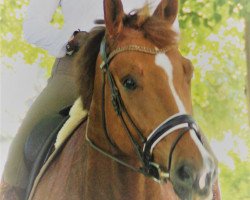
<point x="41" y="134"/>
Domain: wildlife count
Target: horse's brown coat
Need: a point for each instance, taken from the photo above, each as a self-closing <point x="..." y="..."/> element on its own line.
<point x="80" y="172"/>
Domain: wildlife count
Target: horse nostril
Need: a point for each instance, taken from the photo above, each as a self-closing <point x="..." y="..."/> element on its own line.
<point x="189" y="180"/>
<point x="209" y="178"/>
<point x="185" y="174"/>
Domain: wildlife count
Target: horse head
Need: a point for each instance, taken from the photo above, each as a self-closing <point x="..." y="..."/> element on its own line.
<point x="139" y="100"/>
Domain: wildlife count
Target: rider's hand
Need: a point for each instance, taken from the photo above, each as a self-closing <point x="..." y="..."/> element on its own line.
<point x="76" y="41"/>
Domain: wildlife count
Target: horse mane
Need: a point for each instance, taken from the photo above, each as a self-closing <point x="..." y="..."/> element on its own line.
<point x="157" y="30"/>
<point x="85" y="63"/>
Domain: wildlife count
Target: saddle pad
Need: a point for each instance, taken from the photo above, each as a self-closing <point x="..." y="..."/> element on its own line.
<point x="76" y="115"/>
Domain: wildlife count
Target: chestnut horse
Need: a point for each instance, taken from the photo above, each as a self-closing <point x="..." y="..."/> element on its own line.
<point x="139" y="140"/>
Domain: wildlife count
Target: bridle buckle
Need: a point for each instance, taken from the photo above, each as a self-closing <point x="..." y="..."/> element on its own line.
<point x="161" y="176"/>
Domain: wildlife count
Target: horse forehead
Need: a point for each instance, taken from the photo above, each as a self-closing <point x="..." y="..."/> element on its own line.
<point x="163" y="61"/>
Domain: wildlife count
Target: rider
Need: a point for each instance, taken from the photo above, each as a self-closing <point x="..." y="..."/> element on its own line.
<point x="61" y="89"/>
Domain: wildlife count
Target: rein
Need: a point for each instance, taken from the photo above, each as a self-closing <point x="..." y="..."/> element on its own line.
<point x="145" y="154"/>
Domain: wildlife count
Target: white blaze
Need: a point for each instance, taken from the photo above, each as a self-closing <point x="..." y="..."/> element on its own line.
<point x="205" y="156"/>
<point x="202" y="181"/>
<point x="163" y="61"/>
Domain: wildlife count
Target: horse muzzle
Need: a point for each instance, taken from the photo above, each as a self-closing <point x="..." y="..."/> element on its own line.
<point x="188" y="182"/>
<point x="187" y="178"/>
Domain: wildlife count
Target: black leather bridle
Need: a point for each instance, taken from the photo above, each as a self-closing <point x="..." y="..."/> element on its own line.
<point x="182" y="122"/>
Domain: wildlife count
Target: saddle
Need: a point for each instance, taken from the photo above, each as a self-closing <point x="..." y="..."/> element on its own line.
<point x="40" y="143"/>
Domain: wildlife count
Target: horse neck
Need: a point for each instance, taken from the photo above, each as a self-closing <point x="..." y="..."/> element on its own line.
<point x="112" y="180"/>
<point x="115" y="181"/>
<point x="106" y="175"/>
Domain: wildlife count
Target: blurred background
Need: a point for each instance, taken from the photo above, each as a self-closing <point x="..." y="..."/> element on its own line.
<point x="215" y="35"/>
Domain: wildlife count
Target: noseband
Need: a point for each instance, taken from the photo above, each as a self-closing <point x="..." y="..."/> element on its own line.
<point x="181" y="122"/>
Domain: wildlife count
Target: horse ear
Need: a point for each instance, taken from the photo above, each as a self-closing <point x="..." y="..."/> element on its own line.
<point x="167" y="9"/>
<point x="113" y="16"/>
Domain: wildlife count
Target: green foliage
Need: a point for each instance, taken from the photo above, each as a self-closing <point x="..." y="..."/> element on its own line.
<point x="235" y="182"/>
<point x="217" y="52"/>
<point x="213" y="39"/>
<point x="211" y="12"/>
<point x="12" y="41"/>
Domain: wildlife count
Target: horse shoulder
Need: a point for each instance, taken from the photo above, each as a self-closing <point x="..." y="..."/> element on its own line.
<point x="64" y="178"/>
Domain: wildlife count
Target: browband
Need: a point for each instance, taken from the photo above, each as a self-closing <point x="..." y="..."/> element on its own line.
<point x="138" y="48"/>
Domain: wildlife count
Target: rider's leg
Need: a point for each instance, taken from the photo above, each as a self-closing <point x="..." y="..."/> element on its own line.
<point x="60" y="92"/>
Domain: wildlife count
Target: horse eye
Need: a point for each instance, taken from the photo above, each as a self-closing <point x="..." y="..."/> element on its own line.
<point x="129" y="83"/>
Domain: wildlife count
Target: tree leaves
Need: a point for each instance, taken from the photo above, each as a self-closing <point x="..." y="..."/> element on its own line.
<point x="216" y="47"/>
<point x="12" y="41"/>
<point x="217" y="17"/>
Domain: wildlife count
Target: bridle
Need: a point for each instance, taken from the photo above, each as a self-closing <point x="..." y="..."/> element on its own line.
<point x="182" y="122"/>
